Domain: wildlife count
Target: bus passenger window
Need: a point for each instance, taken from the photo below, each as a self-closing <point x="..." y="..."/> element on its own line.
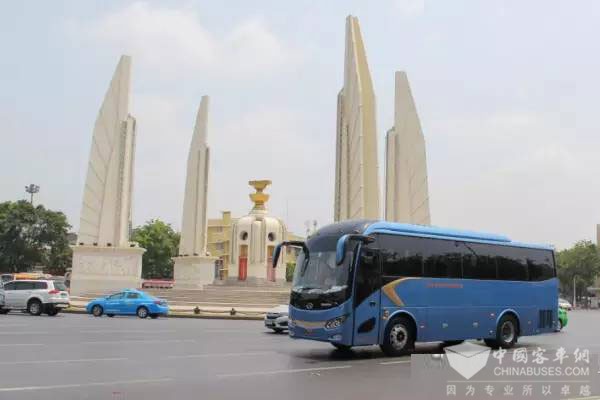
<point x="401" y="256"/>
<point x="442" y="258"/>
<point x="540" y="265"/>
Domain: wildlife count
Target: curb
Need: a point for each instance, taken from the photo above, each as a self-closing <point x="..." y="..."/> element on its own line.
<point x="72" y="310"/>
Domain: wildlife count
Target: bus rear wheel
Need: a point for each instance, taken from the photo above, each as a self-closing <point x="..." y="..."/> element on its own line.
<point x="399" y="337"/>
<point x="507" y="333"/>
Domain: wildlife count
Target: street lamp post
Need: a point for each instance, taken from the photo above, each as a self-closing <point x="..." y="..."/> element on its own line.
<point x="574" y="291"/>
<point x="32" y="189"/>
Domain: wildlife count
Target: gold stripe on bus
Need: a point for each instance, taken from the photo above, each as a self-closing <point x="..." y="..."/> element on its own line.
<point x="390" y="291"/>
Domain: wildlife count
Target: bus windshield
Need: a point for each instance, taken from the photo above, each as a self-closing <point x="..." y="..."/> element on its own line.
<point x="317" y="272"/>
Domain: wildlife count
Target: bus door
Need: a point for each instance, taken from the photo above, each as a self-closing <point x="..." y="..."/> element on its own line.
<point x="367" y="297"/>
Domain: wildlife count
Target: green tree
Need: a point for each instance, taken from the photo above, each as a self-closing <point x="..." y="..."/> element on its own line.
<point x="31" y="236"/>
<point x="161" y="243"/>
<point x="289" y="271"/>
<point x="580" y="262"/>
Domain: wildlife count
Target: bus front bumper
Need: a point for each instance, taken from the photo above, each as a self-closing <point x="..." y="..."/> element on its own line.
<point x="333" y="326"/>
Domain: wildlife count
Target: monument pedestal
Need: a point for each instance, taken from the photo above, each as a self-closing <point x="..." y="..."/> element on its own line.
<point x="105" y="269"/>
<point x="193" y="272"/>
<point x="257" y="273"/>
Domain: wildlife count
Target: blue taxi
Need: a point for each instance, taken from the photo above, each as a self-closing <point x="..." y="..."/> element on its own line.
<point x="128" y="302"/>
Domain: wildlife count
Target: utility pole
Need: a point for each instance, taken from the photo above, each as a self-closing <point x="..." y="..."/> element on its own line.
<point x="32" y="189"/>
<point x="574" y="291"/>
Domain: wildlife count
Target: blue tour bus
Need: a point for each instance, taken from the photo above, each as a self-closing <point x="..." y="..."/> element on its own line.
<point x="364" y="282"/>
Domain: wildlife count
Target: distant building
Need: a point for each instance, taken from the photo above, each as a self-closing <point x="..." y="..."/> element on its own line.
<point x="218" y="243"/>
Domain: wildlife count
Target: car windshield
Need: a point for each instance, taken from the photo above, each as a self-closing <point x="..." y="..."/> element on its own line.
<point x="316" y="271"/>
<point x="60" y="286"/>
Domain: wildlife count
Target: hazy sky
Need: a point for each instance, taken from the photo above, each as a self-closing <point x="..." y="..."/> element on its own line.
<point x="507" y="93"/>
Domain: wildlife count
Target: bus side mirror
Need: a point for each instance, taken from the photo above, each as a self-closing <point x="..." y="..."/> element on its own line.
<point x="342" y="244"/>
<point x="277" y="253"/>
<point x="277" y="250"/>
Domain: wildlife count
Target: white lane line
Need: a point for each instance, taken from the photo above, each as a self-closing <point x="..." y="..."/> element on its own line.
<point x="395" y="362"/>
<point x="139" y="341"/>
<point x="82" y="360"/>
<point x="283" y="371"/>
<point x="216" y="355"/>
<point x="21" y="344"/>
<point x="80" y="385"/>
<point x="129" y="331"/>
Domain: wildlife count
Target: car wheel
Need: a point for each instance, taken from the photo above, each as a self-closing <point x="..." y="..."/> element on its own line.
<point x="399" y="337"/>
<point x="34" y="307"/>
<point x="4" y="311"/>
<point x="142" y="312"/>
<point x="52" y="312"/>
<point x="97" y="310"/>
<point x="110" y="315"/>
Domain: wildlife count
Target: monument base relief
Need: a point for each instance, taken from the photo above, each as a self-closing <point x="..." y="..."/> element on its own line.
<point x="102" y="269"/>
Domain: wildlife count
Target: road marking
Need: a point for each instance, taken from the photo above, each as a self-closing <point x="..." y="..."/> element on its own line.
<point x="139" y="341"/>
<point x="282" y="371"/>
<point x="395" y="362"/>
<point x="60" y="361"/>
<point x="79" y="385"/>
<point x="257" y="353"/>
<point x="128" y="331"/>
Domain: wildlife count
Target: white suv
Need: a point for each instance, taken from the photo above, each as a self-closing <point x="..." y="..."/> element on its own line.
<point x="34" y="296"/>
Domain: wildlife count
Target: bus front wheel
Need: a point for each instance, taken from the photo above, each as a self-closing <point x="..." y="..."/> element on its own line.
<point x="399" y="337"/>
<point x="507" y="333"/>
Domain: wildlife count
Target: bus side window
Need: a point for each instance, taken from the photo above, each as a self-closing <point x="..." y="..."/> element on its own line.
<point x="400" y="256"/>
<point x="485" y="264"/>
<point x="540" y="265"/>
<point x="511" y="264"/>
<point x="442" y="258"/>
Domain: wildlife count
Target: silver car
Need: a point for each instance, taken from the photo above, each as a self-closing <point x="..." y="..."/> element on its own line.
<point x="34" y="296"/>
<point x="277" y="318"/>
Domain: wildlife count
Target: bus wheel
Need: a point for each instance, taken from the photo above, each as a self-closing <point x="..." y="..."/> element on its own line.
<point x="507" y="333"/>
<point x="399" y="337"/>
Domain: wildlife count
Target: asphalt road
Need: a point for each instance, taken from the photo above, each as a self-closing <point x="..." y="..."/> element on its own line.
<point x="81" y="357"/>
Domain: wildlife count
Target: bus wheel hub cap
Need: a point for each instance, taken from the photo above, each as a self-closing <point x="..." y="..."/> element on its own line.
<point x="507" y="332"/>
<point x="398" y="336"/>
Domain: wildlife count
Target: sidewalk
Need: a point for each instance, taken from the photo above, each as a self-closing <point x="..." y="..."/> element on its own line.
<point x="183" y="311"/>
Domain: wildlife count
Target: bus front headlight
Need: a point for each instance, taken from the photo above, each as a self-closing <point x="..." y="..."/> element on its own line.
<point x="336" y="322"/>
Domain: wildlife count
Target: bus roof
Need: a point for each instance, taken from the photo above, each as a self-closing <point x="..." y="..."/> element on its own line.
<point x="446" y="233"/>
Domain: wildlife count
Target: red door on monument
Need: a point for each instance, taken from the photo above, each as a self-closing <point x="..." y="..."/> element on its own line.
<point x="243" y="263"/>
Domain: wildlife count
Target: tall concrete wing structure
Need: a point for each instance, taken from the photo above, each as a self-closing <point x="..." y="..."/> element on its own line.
<point x="104" y="259"/>
<point x="356" y="179"/>
<point x="193" y="223"/>
<point x="406" y="187"/>
<point x="193" y="268"/>
<point x="106" y="209"/>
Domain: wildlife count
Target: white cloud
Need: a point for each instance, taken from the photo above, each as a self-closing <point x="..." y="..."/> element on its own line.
<point x="410" y="8"/>
<point x="175" y="42"/>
